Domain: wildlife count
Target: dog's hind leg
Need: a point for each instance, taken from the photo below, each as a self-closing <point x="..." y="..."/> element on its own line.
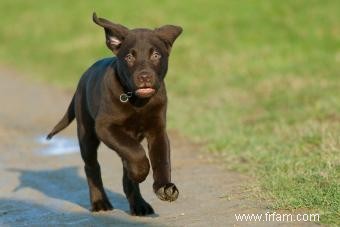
<point x="138" y="206"/>
<point x="89" y="143"/>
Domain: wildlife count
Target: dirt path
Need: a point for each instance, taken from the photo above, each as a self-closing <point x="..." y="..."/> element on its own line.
<point x="40" y="186"/>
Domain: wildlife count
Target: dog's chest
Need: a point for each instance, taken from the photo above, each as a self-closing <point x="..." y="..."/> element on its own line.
<point x="137" y="125"/>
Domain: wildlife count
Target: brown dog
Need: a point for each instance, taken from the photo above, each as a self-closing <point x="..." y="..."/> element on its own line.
<point x="120" y="101"/>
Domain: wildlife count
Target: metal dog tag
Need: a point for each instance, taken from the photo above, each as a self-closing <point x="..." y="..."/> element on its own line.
<point x="124" y="97"/>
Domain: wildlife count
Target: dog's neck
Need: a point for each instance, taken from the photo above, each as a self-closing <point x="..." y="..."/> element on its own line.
<point x="121" y="75"/>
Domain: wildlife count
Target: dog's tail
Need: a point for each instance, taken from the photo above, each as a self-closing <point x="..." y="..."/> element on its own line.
<point x="65" y="121"/>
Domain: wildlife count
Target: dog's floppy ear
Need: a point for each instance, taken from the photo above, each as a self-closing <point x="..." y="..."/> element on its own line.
<point x="168" y="34"/>
<point x="114" y="33"/>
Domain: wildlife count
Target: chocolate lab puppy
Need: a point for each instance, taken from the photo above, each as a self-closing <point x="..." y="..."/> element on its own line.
<point x="120" y="101"/>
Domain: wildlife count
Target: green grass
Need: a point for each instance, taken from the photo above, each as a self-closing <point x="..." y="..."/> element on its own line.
<point x="257" y="81"/>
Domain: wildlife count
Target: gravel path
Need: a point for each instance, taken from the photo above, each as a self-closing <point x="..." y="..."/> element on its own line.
<point x="44" y="185"/>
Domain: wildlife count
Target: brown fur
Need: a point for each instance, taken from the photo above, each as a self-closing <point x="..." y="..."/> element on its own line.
<point x="141" y="62"/>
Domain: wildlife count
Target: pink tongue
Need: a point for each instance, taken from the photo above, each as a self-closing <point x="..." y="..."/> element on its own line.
<point x="145" y="91"/>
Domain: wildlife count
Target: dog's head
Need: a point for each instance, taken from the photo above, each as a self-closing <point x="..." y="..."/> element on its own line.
<point x="142" y="54"/>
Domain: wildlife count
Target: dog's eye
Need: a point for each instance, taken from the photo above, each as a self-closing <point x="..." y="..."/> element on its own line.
<point x="155" y="56"/>
<point x="129" y="58"/>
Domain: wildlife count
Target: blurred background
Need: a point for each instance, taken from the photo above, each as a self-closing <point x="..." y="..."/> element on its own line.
<point x="255" y="82"/>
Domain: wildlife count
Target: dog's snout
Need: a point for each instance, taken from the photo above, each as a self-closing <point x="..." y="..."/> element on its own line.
<point x="144" y="78"/>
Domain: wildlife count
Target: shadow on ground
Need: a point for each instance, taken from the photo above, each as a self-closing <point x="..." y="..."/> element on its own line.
<point x="25" y="213"/>
<point x="61" y="184"/>
<point x="64" y="184"/>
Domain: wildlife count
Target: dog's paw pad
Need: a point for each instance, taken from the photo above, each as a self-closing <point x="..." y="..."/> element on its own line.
<point x="169" y="192"/>
<point x="101" y="205"/>
<point x="141" y="208"/>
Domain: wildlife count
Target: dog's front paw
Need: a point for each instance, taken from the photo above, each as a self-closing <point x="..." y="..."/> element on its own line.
<point x="168" y="192"/>
<point x="102" y="204"/>
<point x="141" y="208"/>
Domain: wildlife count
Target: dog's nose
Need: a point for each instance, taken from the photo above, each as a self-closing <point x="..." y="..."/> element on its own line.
<point x="144" y="78"/>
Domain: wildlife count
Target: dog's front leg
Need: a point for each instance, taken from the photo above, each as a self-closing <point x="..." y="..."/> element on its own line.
<point x="159" y="152"/>
<point x="128" y="148"/>
<point x="136" y="164"/>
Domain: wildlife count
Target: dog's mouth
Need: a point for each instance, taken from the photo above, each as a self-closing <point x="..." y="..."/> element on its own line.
<point x="145" y="92"/>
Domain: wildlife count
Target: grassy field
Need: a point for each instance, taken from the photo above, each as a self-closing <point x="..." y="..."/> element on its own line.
<point x="258" y="82"/>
